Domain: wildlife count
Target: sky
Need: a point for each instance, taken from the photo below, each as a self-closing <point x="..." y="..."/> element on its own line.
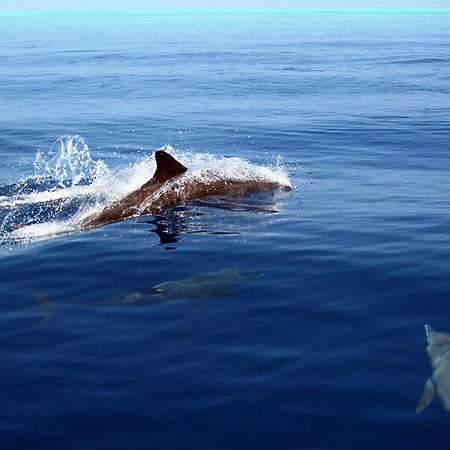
<point x="16" y="5"/>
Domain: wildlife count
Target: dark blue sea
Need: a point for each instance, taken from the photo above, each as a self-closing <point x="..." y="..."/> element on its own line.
<point x="319" y="342"/>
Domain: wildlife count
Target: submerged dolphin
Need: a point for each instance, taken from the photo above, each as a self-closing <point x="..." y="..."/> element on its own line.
<point x="219" y="283"/>
<point x="168" y="188"/>
<point x="439" y="383"/>
<point x="203" y="285"/>
<point x="199" y="287"/>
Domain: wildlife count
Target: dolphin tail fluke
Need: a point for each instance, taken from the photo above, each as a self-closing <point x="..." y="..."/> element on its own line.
<point x="427" y="396"/>
<point x="167" y="167"/>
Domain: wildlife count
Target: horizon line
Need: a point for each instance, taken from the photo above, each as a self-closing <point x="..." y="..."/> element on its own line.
<point x="226" y="10"/>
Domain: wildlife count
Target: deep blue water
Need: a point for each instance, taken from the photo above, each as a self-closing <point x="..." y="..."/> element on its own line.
<point x="327" y="349"/>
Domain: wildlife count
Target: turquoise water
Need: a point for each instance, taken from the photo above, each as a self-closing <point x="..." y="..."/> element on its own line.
<point x="320" y="343"/>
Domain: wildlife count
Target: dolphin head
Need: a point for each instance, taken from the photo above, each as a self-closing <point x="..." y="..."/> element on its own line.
<point x="436" y="338"/>
<point x="438" y="344"/>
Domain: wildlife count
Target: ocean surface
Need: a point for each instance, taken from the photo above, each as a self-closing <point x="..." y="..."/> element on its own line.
<point x="309" y="333"/>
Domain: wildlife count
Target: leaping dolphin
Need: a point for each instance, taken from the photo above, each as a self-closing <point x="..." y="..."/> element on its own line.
<point x="439" y="383"/>
<point x="168" y="187"/>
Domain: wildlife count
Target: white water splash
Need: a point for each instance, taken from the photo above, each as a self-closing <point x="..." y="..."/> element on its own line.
<point x="68" y="161"/>
<point x="64" y="171"/>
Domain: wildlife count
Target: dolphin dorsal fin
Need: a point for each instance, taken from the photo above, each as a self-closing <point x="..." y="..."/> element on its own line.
<point x="167" y="167"/>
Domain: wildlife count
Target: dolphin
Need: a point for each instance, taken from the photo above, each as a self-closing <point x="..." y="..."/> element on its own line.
<point x="168" y="188"/>
<point x="199" y="287"/>
<point x="439" y="383"/>
<point x="205" y="284"/>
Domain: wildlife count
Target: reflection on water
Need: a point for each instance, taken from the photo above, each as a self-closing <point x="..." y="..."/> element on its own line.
<point x="199" y="217"/>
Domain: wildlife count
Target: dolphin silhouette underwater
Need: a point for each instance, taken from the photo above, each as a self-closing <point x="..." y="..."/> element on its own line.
<point x="169" y="186"/>
<point x="198" y="288"/>
<point x="219" y="283"/>
<point x="439" y="383"/>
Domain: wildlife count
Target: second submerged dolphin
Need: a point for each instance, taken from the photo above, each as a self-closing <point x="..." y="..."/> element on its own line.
<point x="168" y="188"/>
<point x="439" y="383"/>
